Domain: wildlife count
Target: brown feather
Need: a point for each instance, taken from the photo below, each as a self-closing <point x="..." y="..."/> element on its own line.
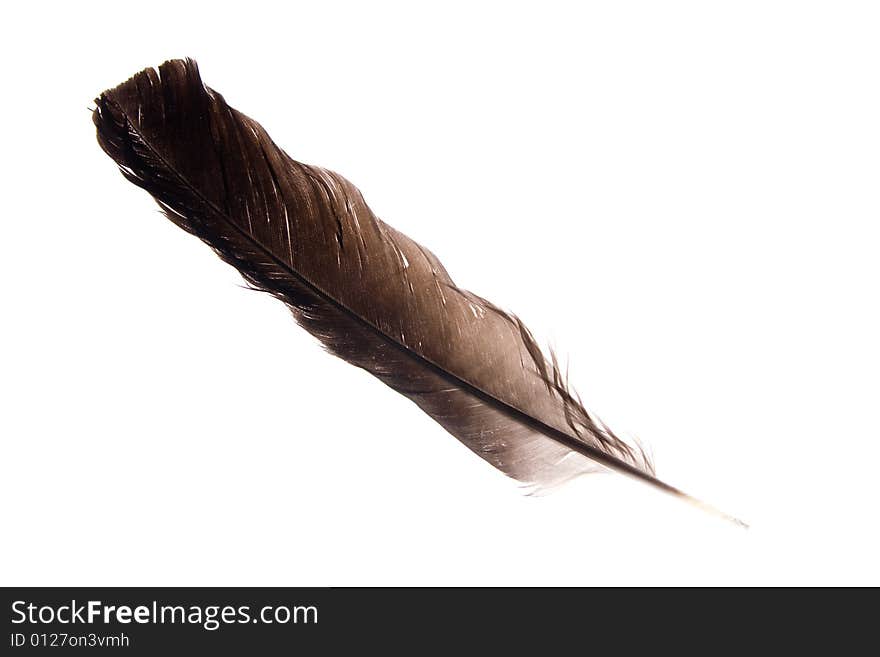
<point x="371" y="295"/>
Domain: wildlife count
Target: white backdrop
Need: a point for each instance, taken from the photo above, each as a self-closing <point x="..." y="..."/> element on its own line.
<point x="681" y="196"/>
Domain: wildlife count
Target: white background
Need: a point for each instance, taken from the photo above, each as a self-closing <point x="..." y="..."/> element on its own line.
<point x="681" y="196"/>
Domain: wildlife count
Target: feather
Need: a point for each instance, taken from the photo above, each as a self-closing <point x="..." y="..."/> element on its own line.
<point x="368" y="293"/>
